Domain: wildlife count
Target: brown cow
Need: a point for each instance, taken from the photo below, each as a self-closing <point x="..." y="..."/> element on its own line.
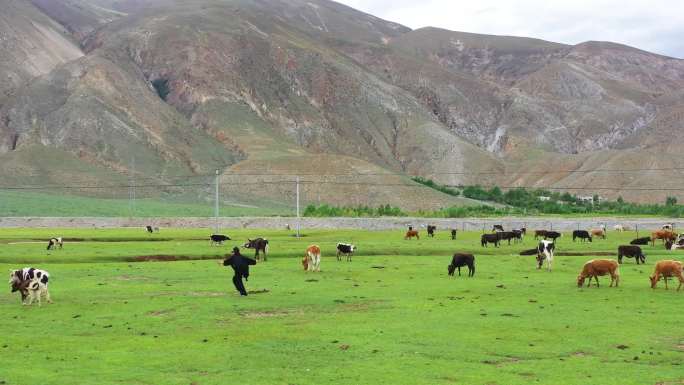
<point x="312" y="259"/>
<point x="412" y="233"/>
<point x="599" y="267"/>
<point x="667" y="269"/>
<point x="599" y="233"/>
<point x="540" y="233"/>
<point x="665" y="235"/>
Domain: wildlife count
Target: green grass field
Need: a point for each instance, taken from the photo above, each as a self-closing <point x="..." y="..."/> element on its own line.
<point x="391" y="316"/>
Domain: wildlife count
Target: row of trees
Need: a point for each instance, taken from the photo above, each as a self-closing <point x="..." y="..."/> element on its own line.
<point x="518" y="201"/>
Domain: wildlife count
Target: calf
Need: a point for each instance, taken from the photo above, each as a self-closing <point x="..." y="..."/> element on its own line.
<point x="258" y="244"/>
<point x="411" y="233"/>
<point x="581" y="234"/>
<point x="453" y="234"/>
<point x="312" y="259"/>
<point x="667" y="269"/>
<point x="599" y="233"/>
<point x="631" y="251"/>
<point x="345" y="249"/>
<point x="459" y="260"/>
<point x="54" y="243"/>
<point x="431" y="230"/>
<point x="31" y="283"/>
<point x="545" y="252"/>
<point x="553" y="235"/>
<point x="490" y="238"/>
<point x="218" y="239"/>
<point x="599" y="267"/>
<point x="641" y="241"/>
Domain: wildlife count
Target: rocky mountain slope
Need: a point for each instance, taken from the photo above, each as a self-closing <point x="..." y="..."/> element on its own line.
<point x="282" y="88"/>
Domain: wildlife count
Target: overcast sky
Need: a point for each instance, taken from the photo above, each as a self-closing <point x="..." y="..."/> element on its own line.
<point x="652" y="25"/>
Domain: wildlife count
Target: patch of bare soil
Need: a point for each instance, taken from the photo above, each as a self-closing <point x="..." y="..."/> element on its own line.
<point x="586" y="254"/>
<point x="269" y="313"/>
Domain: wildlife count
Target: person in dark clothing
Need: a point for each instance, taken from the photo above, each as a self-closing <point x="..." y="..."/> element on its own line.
<point x="240" y="265"/>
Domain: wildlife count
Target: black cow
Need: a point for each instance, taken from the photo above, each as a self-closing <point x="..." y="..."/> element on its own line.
<point x="506" y="235"/>
<point x="149" y="229"/>
<point x="431" y="230"/>
<point x="497" y="228"/>
<point x="453" y="234"/>
<point x="490" y="238"/>
<point x="582" y="234"/>
<point x="345" y="249"/>
<point x="218" y="239"/>
<point x="631" y="252"/>
<point x="519" y="234"/>
<point x="553" y="235"/>
<point x="459" y="260"/>
<point x="641" y="241"/>
<point x="258" y="244"/>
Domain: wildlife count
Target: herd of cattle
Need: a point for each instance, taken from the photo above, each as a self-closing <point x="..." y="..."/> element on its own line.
<point x="33" y="283"/>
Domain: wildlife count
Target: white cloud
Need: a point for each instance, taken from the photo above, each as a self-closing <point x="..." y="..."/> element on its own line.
<point x="655" y="25"/>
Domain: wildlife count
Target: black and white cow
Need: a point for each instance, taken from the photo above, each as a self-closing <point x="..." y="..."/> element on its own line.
<point x="32" y="283"/>
<point x="545" y="251"/>
<point x="498" y="228"/>
<point x="258" y="244"/>
<point x="218" y="239"/>
<point x="345" y="249"/>
<point x="55" y="242"/>
<point x="150" y="229"/>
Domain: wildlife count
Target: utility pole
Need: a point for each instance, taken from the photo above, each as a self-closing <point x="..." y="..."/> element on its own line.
<point x="131" y="189"/>
<point x="216" y="203"/>
<point x="298" y="219"/>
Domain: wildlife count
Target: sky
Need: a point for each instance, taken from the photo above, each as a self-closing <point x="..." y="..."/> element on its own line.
<point x="651" y="25"/>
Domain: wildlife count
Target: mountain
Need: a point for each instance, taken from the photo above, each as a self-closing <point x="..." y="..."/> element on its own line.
<point x="268" y="89"/>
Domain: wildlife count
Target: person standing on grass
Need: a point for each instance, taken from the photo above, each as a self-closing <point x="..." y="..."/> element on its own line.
<point x="240" y="265"/>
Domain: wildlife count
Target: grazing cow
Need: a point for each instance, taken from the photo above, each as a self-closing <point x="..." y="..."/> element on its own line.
<point x="669" y="245"/>
<point x="55" y="242"/>
<point x="506" y="235"/>
<point x="459" y="260"/>
<point x="411" y="233"/>
<point x="497" y="228"/>
<point x="453" y="234"/>
<point x="599" y="267"/>
<point x="345" y="249"/>
<point x="619" y="228"/>
<point x="258" y="244"/>
<point x="149" y="229"/>
<point x="218" y="239"/>
<point x="431" y="230"/>
<point x="553" y="235"/>
<point x="667" y="269"/>
<point x="599" y="233"/>
<point x="581" y="234"/>
<point x="31" y="283"/>
<point x="664" y="235"/>
<point x="631" y="251"/>
<point x="519" y="234"/>
<point x="545" y="252"/>
<point x="641" y="241"/>
<point x="540" y="233"/>
<point x="312" y="258"/>
<point x="490" y="238"/>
